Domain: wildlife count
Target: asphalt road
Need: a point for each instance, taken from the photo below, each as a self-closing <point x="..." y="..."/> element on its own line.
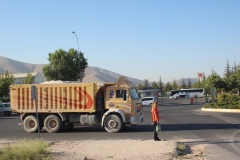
<point x="181" y="121"/>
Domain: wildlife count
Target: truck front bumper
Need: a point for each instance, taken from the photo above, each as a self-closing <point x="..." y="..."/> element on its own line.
<point x="137" y="120"/>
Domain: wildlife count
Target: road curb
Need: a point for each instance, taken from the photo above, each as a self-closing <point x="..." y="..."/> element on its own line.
<point x="221" y="110"/>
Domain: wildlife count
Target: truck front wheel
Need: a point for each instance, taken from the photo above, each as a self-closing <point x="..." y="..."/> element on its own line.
<point x="53" y="124"/>
<point x="30" y="124"/>
<point x="113" y="123"/>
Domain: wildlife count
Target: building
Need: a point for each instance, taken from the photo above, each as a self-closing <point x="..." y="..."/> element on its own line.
<point x="20" y="77"/>
<point x="150" y="92"/>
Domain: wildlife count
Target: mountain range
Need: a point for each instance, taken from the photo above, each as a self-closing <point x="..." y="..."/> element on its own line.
<point x="93" y="74"/>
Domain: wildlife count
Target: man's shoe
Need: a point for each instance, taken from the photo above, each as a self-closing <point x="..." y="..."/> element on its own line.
<point x="157" y="139"/>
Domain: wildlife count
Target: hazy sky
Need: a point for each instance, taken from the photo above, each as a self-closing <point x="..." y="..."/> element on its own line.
<point x="141" y="39"/>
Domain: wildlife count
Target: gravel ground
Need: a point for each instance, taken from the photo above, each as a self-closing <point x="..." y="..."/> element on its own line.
<point x="113" y="149"/>
<point x="120" y="150"/>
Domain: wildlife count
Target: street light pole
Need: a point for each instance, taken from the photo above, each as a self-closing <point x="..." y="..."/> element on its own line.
<point x="79" y="57"/>
<point x="77" y="39"/>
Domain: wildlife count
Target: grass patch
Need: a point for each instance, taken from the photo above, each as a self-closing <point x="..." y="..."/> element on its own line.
<point x="25" y="150"/>
<point x="181" y="146"/>
<point x="187" y="152"/>
<point x="182" y="149"/>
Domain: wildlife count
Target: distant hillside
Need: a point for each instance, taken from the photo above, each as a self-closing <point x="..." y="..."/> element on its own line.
<point x="179" y="81"/>
<point x="14" y="66"/>
<point x="93" y="74"/>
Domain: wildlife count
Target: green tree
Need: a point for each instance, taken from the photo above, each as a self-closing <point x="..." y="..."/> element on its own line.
<point x="183" y="85"/>
<point x="30" y="79"/>
<point x="161" y="86"/>
<point x="154" y="85"/>
<point x="140" y="87"/>
<point x="6" y="79"/>
<point x="227" y="72"/>
<point x="238" y="78"/>
<point x="203" y="77"/>
<point x="203" y="85"/>
<point x="197" y="84"/>
<point x="189" y="85"/>
<point x="174" y="85"/>
<point x="146" y="84"/>
<point x="233" y="83"/>
<point x="234" y="68"/>
<point x="214" y="80"/>
<point x="168" y="87"/>
<point x="66" y="66"/>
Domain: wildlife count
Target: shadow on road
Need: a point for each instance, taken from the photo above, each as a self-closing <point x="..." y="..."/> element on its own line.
<point x="192" y="126"/>
<point x="209" y="142"/>
<point x="182" y="127"/>
<point x="165" y="127"/>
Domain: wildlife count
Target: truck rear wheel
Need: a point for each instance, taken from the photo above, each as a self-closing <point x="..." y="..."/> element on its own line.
<point x="30" y="124"/>
<point x="53" y="124"/>
<point x="113" y="123"/>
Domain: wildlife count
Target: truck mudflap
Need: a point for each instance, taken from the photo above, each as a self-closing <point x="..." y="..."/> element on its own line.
<point x="137" y="120"/>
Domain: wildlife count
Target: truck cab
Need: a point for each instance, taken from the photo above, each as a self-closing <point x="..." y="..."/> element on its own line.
<point x="123" y="102"/>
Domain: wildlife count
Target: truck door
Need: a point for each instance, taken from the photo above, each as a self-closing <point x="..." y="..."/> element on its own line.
<point x="115" y="96"/>
<point x="118" y="98"/>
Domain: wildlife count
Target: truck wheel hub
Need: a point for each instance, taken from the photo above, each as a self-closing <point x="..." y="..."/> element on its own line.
<point x="112" y="124"/>
<point x="31" y="124"/>
<point x="53" y="124"/>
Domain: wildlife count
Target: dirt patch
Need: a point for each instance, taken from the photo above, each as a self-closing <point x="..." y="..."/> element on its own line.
<point x="113" y="149"/>
<point x="120" y="150"/>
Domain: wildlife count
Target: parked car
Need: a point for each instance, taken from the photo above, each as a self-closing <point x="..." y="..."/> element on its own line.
<point x="5" y="109"/>
<point x="147" y="100"/>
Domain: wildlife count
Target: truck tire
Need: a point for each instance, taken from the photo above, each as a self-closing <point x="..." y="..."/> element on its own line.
<point x="30" y="124"/>
<point x="113" y="123"/>
<point x="53" y="124"/>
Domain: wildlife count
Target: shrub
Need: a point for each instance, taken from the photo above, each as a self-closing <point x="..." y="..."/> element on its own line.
<point x="225" y="101"/>
<point x="23" y="149"/>
<point x="181" y="146"/>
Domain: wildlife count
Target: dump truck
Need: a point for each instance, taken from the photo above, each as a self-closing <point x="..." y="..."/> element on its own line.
<point x="62" y="105"/>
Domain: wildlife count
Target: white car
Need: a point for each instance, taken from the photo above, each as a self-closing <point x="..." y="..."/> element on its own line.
<point x="5" y="109"/>
<point x="147" y="100"/>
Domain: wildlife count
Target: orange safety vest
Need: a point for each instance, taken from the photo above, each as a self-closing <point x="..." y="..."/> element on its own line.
<point x="155" y="115"/>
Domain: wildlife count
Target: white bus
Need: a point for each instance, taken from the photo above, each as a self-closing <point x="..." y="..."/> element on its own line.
<point x="187" y="93"/>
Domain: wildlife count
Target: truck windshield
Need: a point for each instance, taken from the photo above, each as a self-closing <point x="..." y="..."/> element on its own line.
<point x="134" y="94"/>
